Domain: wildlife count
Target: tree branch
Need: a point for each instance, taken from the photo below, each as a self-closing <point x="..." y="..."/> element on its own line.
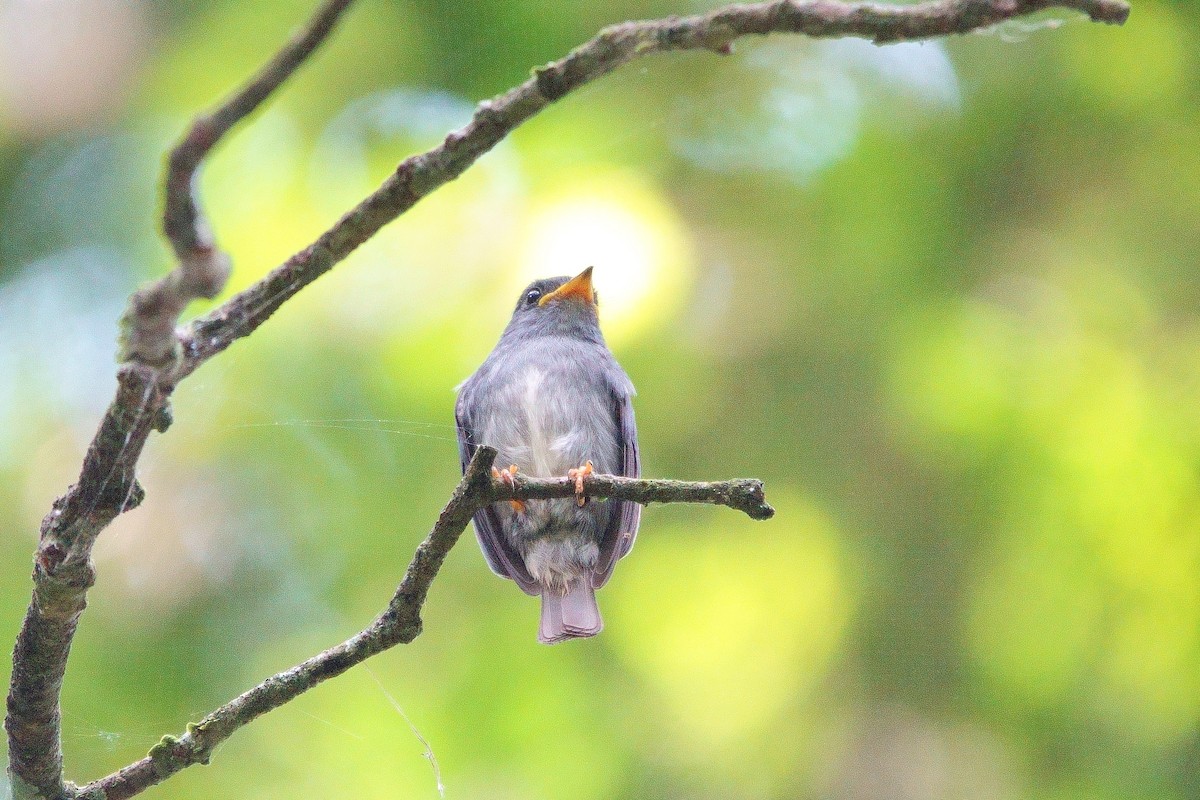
<point x="183" y="222"/>
<point x="149" y="326"/>
<point x="613" y="47"/>
<point x="62" y="574"/>
<point x="157" y="357"/>
<point x="743" y="494"/>
<point x="63" y="571"/>
<point x="400" y="622"/>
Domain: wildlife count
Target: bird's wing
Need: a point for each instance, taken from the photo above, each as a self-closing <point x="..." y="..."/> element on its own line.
<point x="622" y="529"/>
<point x="499" y="554"/>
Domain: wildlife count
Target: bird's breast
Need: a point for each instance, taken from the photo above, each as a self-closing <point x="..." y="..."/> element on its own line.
<point x="548" y="420"/>
<point x="542" y="431"/>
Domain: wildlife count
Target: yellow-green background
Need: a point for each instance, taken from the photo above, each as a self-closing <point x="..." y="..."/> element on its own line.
<point x="941" y="298"/>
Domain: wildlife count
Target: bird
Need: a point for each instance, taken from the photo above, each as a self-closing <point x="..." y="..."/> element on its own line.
<point x="552" y="400"/>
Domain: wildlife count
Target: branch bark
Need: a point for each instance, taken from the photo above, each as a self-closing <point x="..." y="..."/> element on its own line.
<point x="150" y="348"/>
<point x="183" y="222"/>
<point x="148" y="333"/>
<point x="613" y="47"/>
<point x="400" y="622"/>
<point x="156" y="356"/>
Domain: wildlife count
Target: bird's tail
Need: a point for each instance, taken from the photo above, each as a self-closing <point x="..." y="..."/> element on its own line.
<point x="573" y="615"/>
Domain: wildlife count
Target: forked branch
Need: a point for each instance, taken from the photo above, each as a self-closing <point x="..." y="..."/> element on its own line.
<point x="148" y="333"/>
<point x="400" y="622"/>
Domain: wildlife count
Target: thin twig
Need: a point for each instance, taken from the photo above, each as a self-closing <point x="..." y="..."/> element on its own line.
<point x="400" y="622"/>
<point x="183" y="223"/>
<point x="157" y="358"/>
<point x="148" y="328"/>
<point x="743" y="494"/>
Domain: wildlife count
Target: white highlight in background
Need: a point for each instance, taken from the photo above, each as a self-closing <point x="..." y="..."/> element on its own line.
<point x="629" y="233"/>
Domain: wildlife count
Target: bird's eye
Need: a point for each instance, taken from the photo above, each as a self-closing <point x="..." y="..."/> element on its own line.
<point x="532" y="296"/>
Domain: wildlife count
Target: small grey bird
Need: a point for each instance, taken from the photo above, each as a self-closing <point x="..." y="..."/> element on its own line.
<point x="552" y="400"/>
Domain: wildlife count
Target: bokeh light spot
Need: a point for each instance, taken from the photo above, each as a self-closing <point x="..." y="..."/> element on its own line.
<point x="727" y="630"/>
<point x="629" y="233"/>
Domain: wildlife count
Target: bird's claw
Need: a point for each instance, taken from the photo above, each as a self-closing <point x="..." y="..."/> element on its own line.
<point x="578" y="475"/>
<point x="509" y="476"/>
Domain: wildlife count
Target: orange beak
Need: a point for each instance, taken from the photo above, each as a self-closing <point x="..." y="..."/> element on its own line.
<point x="578" y="288"/>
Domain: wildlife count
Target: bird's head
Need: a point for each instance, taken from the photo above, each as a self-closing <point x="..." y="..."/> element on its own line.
<point x="564" y="306"/>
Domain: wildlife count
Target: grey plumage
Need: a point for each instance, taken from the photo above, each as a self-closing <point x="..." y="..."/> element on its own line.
<point x="550" y="397"/>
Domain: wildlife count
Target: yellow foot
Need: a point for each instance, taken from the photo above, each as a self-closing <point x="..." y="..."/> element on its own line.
<point x="509" y="476"/>
<point x="578" y="475"/>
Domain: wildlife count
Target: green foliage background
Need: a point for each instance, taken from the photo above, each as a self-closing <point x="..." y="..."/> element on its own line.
<point x="941" y="298"/>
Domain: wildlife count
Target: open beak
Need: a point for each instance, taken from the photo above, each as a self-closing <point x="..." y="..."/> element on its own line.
<point x="578" y="288"/>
